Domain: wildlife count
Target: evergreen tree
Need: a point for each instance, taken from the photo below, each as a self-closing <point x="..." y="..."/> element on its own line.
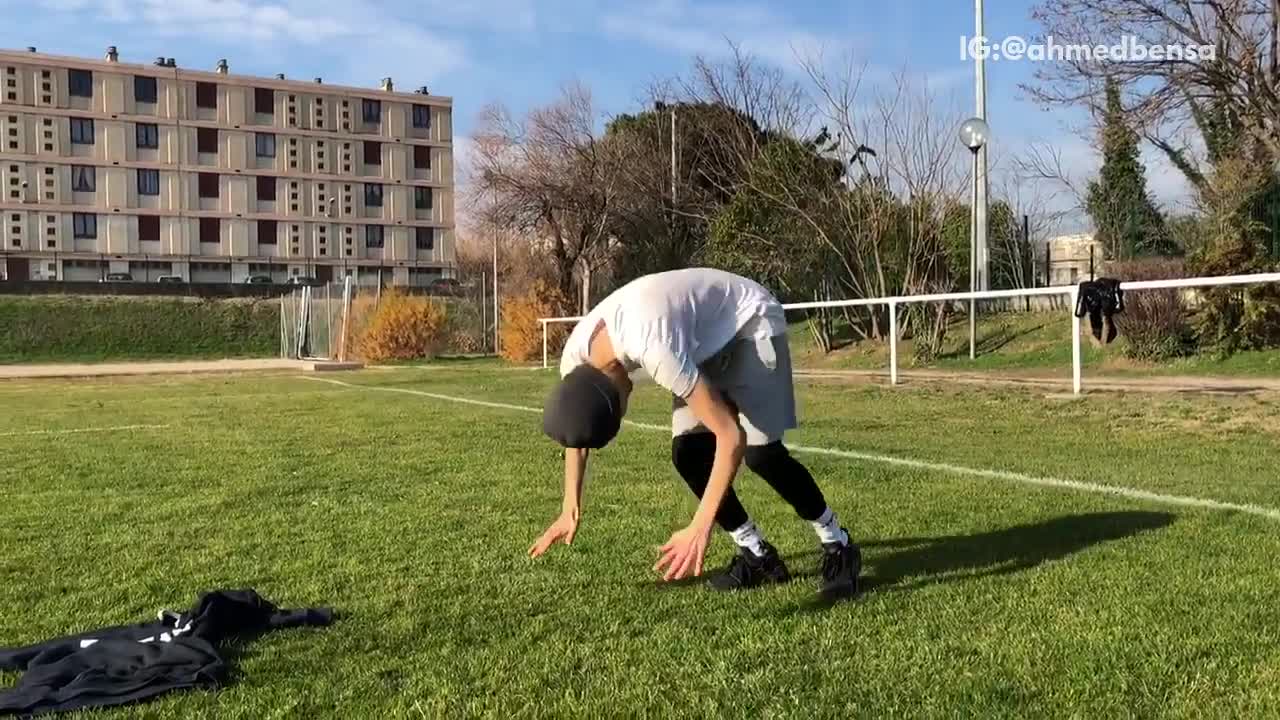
<point x="1127" y="221"/>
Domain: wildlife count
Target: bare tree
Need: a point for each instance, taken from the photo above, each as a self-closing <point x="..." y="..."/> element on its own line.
<point x="548" y="176"/>
<point x="1242" y="67"/>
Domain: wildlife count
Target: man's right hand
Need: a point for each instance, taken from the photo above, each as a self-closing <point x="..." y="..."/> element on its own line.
<point x="563" y="529"/>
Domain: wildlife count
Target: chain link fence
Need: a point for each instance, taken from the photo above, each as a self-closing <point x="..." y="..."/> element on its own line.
<point x="326" y="321"/>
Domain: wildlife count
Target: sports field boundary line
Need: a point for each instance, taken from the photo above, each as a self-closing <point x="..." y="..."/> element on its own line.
<point x="72" y="431"/>
<point x="948" y="468"/>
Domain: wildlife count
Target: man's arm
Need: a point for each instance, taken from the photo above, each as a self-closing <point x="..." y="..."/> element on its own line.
<point x="575" y="470"/>
<point x="731" y="443"/>
<point x="684" y="553"/>
<point x="566" y="526"/>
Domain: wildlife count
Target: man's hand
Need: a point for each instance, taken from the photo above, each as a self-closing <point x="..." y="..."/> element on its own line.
<point x="563" y="529"/>
<point x="684" y="552"/>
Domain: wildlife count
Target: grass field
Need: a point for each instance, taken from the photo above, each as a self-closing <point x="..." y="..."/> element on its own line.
<point x="987" y="595"/>
<point x="55" y="328"/>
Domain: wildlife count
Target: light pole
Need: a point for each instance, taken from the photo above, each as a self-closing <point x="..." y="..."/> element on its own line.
<point x="328" y="216"/>
<point x="974" y="133"/>
<point x="980" y="216"/>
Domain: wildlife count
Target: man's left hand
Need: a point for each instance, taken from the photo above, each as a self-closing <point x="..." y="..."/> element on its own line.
<point x="684" y="552"/>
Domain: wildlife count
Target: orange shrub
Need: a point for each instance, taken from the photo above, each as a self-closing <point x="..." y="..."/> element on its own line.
<point x="522" y="333"/>
<point x="402" y="327"/>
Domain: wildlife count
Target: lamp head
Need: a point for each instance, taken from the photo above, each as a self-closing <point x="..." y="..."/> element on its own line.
<point x="974" y="133"/>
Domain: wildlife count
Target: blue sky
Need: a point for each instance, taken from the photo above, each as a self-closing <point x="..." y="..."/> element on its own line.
<point x="520" y="52"/>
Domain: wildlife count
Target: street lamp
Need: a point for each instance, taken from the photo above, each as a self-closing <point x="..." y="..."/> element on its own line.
<point x="328" y="215"/>
<point x="974" y="133"/>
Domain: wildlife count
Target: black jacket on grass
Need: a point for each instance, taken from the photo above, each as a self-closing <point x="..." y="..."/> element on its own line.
<point x="130" y="663"/>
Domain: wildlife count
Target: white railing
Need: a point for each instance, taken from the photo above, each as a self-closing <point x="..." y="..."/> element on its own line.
<point x="1071" y="291"/>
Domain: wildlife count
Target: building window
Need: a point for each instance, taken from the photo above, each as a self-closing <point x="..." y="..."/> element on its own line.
<point x="421" y="157"/>
<point x="149" y="228"/>
<point x="422" y="198"/>
<point x="207" y="140"/>
<point x="372" y="112"/>
<point x="421" y="116"/>
<point x="266" y="189"/>
<point x="148" y="182"/>
<point x="373" y="236"/>
<point x="84" y="225"/>
<point x="425" y="238"/>
<point x="80" y="83"/>
<point x="268" y="232"/>
<point x="208" y="185"/>
<point x="372" y="153"/>
<point x="266" y="144"/>
<point x="264" y="101"/>
<point x="207" y="95"/>
<point x="82" y="131"/>
<point x="83" y="179"/>
<point x="373" y="195"/>
<point x="144" y="89"/>
<point x="210" y="230"/>
<point x="148" y="136"/>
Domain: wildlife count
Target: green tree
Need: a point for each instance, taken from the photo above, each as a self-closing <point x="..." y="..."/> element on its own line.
<point x="655" y="230"/>
<point x="1127" y="221"/>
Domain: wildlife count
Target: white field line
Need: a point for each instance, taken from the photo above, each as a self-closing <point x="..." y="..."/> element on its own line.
<point x="1004" y="475"/>
<point x="71" y="431"/>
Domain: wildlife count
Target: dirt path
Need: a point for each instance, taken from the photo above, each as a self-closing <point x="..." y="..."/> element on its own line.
<point x="1170" y="384"/>
<point x="74" y="370"/>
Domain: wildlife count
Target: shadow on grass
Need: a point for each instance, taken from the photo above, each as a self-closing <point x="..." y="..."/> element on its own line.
<point x="994" y="339"/>
<point x="914" y="563"/>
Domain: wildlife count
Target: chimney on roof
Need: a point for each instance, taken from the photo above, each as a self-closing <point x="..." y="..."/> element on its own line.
<point x="386" y="84"/>
<point x="222" y="66"/>
<point x="112" y="55"/>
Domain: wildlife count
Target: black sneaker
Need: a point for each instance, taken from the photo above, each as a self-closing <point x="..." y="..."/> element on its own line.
<point x="747" y="571"/>
<point x="841" y="565"/>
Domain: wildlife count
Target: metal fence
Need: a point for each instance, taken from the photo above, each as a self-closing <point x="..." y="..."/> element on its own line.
<point x="1070" y="291"/>
<point x="326" y="322"/>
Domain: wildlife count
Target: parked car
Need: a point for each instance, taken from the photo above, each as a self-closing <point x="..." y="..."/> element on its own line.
<point x="170" y="279"/>
<point x="445" y="286"/>
<point x="117" y="277"/>
<point x="303" y="280"/>
<point x="259" y="280"/>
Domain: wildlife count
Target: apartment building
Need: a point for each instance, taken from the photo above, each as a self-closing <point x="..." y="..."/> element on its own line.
<point x="152" y="170"/>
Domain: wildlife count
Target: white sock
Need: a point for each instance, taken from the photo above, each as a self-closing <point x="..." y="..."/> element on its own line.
<point x="748" y="536"/>
<point x="829" y="530"/>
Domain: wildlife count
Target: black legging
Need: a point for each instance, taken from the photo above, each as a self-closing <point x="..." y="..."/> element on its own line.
<point x="693" y="456"/>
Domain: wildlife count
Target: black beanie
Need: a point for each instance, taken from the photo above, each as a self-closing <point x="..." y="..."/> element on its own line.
<point x="584" y="410"/>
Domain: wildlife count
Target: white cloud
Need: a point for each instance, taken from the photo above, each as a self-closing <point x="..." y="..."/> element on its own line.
<point x="365" y="38"/>
<point x="685" y="27"/>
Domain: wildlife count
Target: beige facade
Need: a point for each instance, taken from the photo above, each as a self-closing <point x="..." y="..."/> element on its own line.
<point x="1069" y="258"/>
<point x="154" y="170"/>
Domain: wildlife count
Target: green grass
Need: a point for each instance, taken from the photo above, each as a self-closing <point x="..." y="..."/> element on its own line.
<point x="411" y="517"/>
<point x="91" y="329"/>
<point x="1026" y="343"/>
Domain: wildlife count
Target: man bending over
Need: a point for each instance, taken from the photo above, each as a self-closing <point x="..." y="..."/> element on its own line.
<point x="718" y="343"/>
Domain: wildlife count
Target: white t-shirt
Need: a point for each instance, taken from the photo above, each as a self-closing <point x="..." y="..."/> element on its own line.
<point x="668" y="323"/>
